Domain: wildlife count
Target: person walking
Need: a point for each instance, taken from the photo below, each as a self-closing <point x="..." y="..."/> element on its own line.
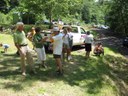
<point x="57" y="39"/>
<point x="38" y="41"/>
<point x="21" y="44"/>
<point x="88" y="43"/>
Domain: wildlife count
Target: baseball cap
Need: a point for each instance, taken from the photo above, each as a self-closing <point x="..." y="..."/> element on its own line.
<point x="19" y="23"/>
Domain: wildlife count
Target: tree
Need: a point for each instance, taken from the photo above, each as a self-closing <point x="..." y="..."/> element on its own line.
<point x="7" y="5"/>
<point x="117" y="17"/>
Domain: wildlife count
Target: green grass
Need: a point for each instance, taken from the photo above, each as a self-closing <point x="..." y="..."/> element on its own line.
<point x="96" y="76"/>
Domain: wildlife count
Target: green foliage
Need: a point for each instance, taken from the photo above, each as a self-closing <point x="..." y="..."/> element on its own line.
<point x="87" y="10"/>
<point x="95" y="12"/>
<point x="7" y="5"/>
<point x="117" y="17"/>
<point x="5" y="18"/>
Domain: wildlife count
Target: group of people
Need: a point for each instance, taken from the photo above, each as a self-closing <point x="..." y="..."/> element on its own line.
<point x="61" y="44"/>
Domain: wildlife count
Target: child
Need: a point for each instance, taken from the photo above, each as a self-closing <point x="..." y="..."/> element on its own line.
<point x="98" y="49"/>
<point x="5" y="46"/>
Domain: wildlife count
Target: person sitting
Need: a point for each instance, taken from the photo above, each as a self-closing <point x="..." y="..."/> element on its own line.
<point x="5" y="46"/>
<point x="98" y="49"/>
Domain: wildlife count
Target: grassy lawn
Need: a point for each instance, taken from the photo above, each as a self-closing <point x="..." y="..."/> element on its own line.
<point x="96" y="76"/>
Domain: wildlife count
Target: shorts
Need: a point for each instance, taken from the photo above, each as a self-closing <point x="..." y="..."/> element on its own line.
<point x="70" y="43"/>
<point x="66" y="46"/>
<point x="25" y="49"/>
<point x="56" y="56"/>
<point x="88" y="47"/>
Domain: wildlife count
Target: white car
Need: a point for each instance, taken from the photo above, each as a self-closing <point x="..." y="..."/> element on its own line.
<point x="78" y="34"/>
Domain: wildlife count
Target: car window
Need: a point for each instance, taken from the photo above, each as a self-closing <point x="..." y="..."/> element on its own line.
<point x="74" y="29"/>
<point x="82" y="31"/>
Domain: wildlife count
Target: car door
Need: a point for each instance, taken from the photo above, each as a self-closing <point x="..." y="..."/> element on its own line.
<point x="76" y="36"/>
<point x="83" y="35"/>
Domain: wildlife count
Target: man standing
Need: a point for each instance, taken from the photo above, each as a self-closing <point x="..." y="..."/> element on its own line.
<point x="20" y="42"/>
<point x="88" y="43"/>
<point x="57" y="48"/>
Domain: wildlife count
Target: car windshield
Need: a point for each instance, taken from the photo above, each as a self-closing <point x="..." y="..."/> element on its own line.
<point x="74" y="29"/>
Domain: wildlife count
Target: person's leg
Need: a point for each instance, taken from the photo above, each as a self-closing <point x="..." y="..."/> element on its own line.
<point x="63" y="55"/>
<point x="69" y="52"/>
<point x="30" y="60"/>
<point x="22" y="57"/>
<point x="59" y="64"/>
<point x="69" y="48"/>
<point x="5" y="50"/>
<point x="43" y="57"/>
<point x="87" y="49"/>
<point x="87" y="54"/>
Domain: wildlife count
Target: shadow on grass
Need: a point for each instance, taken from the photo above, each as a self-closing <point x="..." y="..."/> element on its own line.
<point x="98" y="73"/>
<point x="91" y="74"/>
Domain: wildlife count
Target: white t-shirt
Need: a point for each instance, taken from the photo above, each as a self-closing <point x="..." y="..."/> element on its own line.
<point x="66" y="38"/>
<point x="57" y="44"/>
<point x="70" y="35"/>
<point x="89" y="39"/>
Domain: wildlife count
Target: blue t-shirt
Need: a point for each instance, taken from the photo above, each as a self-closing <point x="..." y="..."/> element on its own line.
<point x="5" y="45"/>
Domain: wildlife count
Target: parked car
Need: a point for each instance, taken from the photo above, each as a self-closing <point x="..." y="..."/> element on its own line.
<point x="125" y="42"/>
<point x="77" y="31"/>
<point x="78" y="34"/>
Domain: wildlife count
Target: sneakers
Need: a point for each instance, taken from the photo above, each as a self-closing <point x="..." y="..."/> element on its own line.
<point x="59" y="72"/>
<point x="69" y="57"/>
<point x="23" y="74"/>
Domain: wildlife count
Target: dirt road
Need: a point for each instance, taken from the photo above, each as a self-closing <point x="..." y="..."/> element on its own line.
<point x="108" y="40"/>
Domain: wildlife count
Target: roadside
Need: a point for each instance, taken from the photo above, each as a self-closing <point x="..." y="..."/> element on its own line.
<point x="107" y="39"/>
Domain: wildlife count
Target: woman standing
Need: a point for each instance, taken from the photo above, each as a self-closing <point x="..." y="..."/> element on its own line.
<point x="38" y="41"/>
